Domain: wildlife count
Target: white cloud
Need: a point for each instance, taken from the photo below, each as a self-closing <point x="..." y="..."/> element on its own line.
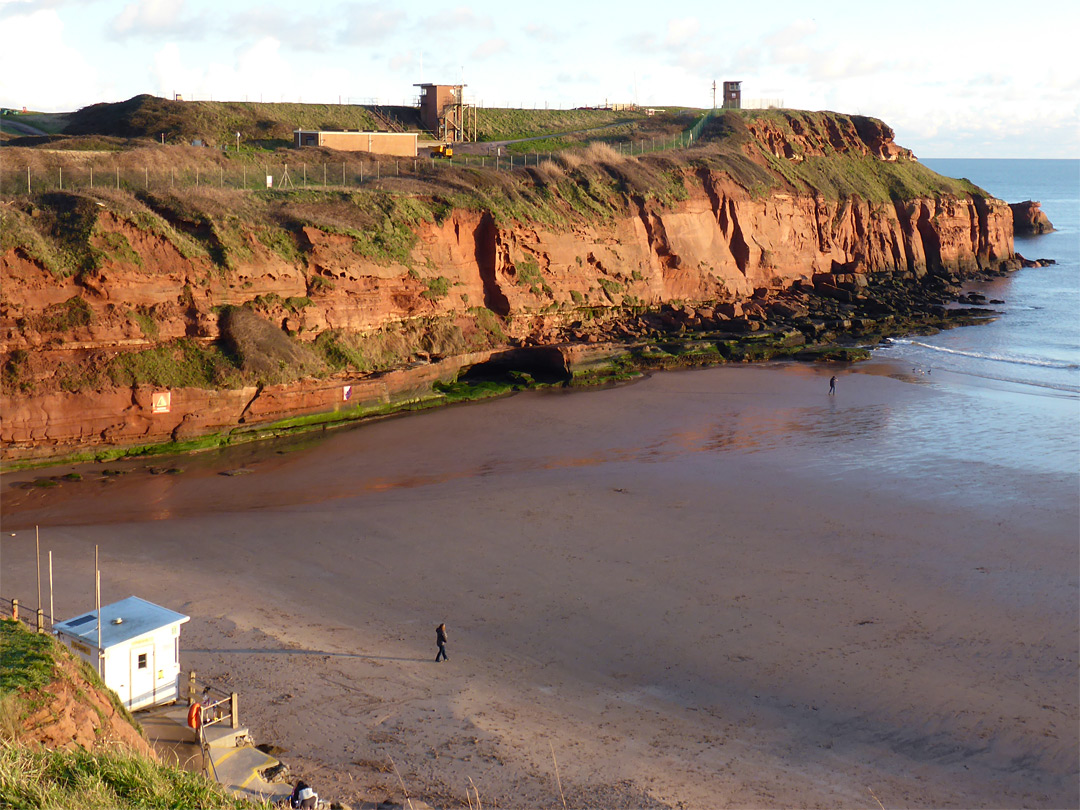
<point x="155" y="17"/>
<point x="260" y="72"/>
<point x="681" y="31"/>
<point x="296" y="31"/>
<point x="368" y="23"/>
<point x="543" y="33"/>
<point x="63" y="82"/>
<point x="458" y="18"/>
<point x="489" y="48"/>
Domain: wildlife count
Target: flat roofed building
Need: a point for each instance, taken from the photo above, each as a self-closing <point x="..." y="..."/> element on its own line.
<point x="395" y="144"/>
<point x="139" y="653"/>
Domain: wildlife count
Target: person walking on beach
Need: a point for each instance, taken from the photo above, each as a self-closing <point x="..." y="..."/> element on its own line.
<point x="440" y="639"/>
<point x="832" y="384"/>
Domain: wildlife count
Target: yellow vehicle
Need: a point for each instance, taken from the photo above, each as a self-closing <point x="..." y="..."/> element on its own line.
<point x="443" y="150"/>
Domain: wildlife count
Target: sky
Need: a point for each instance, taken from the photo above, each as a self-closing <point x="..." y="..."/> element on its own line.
<point x="954" y="78"/>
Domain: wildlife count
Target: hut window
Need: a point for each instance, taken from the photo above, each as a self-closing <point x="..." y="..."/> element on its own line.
<point x="176" y="650"/>
<point x="142" y="660"/>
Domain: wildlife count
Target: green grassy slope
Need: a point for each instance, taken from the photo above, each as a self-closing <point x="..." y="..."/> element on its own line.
<point x="33" y="777"/>
<point x="217" y="122"/>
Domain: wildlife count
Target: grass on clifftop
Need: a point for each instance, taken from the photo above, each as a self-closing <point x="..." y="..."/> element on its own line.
<point x="271" y="124"/>
<point x="33" y="777"/>
<point x="26" y="659"/>
<point x="495" y="124"/>
<point x="215" y="122"/>
<point x="729" y="145"/>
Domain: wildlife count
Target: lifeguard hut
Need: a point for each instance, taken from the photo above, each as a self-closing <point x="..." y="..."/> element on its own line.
<point x="139" y="650"/>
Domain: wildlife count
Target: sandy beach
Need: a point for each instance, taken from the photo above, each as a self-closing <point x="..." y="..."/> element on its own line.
<point x="717" y="588"/>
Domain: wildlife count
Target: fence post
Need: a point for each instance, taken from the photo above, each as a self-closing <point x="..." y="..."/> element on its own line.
<point x="91" y="177"/>
<point x="61" y="170"/>
<point x="191" y="688"/>
<point x="27" y="179"/>
<point x="15" y="609"/>
<point x="40" y="620"/>
<point x="118" y="175"/>
<point x="234" y="709"/>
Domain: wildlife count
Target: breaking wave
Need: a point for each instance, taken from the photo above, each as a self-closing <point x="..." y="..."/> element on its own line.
<point x="1016" y="359"/>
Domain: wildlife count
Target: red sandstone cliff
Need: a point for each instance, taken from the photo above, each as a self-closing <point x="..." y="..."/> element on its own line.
<point x="719" y="243"/>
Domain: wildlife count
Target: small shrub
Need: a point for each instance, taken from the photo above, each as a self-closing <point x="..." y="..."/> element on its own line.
<point x="295" y="304"/>
<point x="610" y="287"/>
<point x="318" y="284"/>
<point x="64" y="317"/>
<point x="437" y="288"/>
<point x="146" y="322"/>
<point x="529" y="275"/>
<point x="116" y="246"/>
<point x="282" y="242"/>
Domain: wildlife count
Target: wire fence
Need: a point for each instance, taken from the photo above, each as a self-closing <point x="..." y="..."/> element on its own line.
<point x="34" y="618"/>
<point x="78" y="173"/>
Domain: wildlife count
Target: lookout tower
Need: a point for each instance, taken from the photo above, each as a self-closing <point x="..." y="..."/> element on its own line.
<point x="732" y="95"/>
<point x="445" y="114"/>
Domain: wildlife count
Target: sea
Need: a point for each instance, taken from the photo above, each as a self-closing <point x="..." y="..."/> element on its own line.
<point x="1009" y="390"/>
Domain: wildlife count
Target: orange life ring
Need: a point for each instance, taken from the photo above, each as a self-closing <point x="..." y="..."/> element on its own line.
<point x="194" y="716"/>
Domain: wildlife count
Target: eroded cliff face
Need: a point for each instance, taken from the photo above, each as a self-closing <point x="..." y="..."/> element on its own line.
<point x="720" y="244"/>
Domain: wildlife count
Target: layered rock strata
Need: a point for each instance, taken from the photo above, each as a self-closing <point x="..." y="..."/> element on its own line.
<point x="721" y="249"/>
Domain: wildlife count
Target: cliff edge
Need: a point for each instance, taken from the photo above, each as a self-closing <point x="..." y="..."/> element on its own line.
<point x="252" y="307"/>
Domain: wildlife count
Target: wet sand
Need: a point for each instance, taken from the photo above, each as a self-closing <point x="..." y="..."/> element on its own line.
<point x="700" y="590"/>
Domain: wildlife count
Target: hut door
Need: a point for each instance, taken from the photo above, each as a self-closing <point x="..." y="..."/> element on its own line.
<point x="142" y="675"/>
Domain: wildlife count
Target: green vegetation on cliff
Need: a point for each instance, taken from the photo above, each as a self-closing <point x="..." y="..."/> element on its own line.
<point x="237" y="285"/>
<point x="271" y="124"/>
<point x="33" y="777"/>
<point x="39" y="779"/>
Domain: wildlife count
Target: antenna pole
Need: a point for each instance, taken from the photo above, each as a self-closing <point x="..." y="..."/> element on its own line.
<point x="37" y="553"/>
<point x="97" y="602"/>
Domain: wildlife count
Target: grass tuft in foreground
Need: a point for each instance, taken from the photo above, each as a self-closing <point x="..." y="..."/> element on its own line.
<point x="93" y="780"/>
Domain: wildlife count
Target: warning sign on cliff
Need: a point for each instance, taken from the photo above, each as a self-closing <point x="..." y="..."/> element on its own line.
<point x="346" y="392"/>
<point x="161" y="401"/>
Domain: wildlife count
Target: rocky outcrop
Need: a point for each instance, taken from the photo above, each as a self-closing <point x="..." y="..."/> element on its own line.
<point x="797" y="135"/>
<point x="1029" y="219"/>
<point x="721" y="248"/>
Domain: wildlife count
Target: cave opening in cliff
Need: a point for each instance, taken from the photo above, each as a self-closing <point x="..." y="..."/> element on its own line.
<point x="541" y="364"/>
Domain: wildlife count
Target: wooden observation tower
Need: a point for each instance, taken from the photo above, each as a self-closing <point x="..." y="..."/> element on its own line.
<point x="445" y="114"/>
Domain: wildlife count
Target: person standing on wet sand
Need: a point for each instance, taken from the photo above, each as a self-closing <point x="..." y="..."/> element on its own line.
<point x="832" y="384"/>
<point x="440" y="639"/>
